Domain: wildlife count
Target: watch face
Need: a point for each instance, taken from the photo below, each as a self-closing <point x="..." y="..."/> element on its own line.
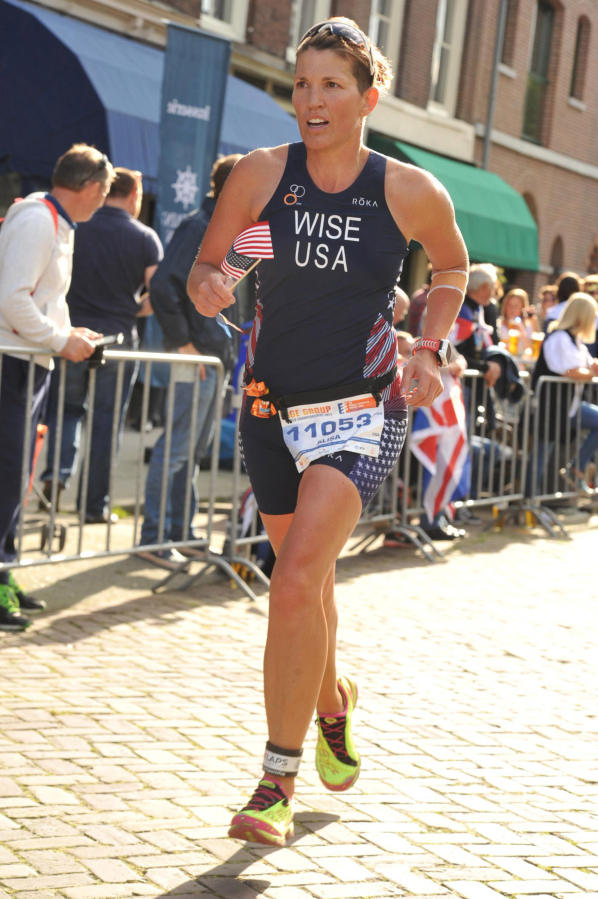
<point x="444" y="352"/>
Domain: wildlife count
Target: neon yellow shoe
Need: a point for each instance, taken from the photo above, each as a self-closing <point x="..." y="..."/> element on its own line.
<point x="337" y="761"/>
<point x="267" y="817"/>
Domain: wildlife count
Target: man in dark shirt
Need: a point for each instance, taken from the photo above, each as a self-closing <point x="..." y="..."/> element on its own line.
<point x="115" y="258"/>
<point x="187" y="332"/>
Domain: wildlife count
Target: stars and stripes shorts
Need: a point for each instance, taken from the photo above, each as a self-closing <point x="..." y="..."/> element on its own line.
<point x="274" y="476"/>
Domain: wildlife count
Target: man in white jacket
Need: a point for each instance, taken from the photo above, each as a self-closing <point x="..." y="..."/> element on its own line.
<point x="36" y="249"/>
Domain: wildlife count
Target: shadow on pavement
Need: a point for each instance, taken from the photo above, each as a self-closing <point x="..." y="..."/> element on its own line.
<point x="158" y="609"/>
<point x="218" y="879"/>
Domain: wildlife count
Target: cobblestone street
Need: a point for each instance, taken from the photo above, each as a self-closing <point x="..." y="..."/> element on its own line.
<point x="131" y="727"/>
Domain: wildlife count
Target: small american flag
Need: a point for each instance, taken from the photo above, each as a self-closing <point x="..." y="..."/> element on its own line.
<point x="254" y="243"/>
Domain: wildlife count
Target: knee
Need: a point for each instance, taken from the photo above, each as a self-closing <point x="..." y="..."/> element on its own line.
<point x="295" y="592"/>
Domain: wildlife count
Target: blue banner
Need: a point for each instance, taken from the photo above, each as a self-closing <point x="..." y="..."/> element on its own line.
<point x="193" y="88"/>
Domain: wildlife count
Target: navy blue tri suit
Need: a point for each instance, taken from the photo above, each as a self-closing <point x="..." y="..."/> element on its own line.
<point x="324" y="319"/>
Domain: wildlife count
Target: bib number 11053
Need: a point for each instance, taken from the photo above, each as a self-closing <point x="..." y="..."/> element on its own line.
<point x="354" y="424"/>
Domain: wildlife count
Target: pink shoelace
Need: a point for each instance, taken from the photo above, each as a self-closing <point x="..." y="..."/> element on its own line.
<point x="265" y="796"/>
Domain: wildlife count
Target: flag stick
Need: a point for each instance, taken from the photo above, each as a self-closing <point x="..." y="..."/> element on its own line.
<point x="221" y="315"/>
<point x="244" y="275"/>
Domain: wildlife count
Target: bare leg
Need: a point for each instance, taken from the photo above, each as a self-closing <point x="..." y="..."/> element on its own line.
<point x="297" y="648"/>
<point x="330" y="700"/>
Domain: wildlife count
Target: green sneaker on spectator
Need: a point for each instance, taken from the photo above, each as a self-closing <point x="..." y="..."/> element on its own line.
<point x="29" y="603"/>
<point x="10" y="616"/>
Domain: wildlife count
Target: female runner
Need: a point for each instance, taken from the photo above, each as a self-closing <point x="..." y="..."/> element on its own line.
<point x="341" y="217"/>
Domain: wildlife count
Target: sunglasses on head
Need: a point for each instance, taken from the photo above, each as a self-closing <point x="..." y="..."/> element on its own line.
<point x="102" y="165"/>
<point x="349" y="32"/>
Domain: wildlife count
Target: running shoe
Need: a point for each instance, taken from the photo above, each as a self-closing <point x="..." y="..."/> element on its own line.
<point x="10" y="617"/>
<point x="267" y="818"/>
<point x="337" y="761"/>
<point x="29" y="603"/>
<point x="171" y="559"/>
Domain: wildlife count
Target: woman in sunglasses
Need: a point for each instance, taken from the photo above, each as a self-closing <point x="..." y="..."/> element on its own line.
<point x="324" y="417"/>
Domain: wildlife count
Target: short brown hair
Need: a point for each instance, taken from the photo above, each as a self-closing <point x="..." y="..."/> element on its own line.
<point x="125" y="182"/>
<point x="548" y="288"/>
<point x="355" y="54"/>
<point x="220" y="172"/>
<point x="81" y="165"/>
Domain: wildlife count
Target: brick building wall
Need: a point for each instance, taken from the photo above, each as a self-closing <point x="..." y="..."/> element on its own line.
<point x="358" y="10"/>
<point x="412" y="83"/>
<point x="564" y="202"/>
<point x="560" y="199"/>
<point x="269" y="25"/>
<point x="567" y="129"/>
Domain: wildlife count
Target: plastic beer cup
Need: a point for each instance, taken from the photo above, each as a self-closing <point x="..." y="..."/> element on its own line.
<point x="513" y="345"/>
<point x="537" y="338"/>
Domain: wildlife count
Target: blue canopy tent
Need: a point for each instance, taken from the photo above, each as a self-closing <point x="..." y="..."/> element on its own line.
<point x="66" y="81"/>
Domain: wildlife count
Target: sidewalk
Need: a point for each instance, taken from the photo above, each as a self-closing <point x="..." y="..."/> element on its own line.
<point x="131" y="727"/>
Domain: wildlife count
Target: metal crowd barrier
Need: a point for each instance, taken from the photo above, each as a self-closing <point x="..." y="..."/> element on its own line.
<point x="497" y="438"/>
<point x="203" y="544"/>
<point x="557" y="443"/>
<point x="506" y="473"/>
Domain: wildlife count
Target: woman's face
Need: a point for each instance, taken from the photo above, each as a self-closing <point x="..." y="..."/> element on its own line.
<point x="329" y="106"/>
<point x="548" y="300"/>
<point x="514" y="308"/>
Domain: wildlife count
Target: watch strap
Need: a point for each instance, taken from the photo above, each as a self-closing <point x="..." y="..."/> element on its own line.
<point x="427" y="343"/>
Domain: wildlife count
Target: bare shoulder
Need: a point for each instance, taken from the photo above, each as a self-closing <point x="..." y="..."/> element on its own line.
<point x="413" y="194"/>
<point x="411" y="183"/>
<point x="257" y="174"/>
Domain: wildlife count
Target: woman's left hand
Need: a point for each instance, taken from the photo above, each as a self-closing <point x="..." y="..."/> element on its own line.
<point x="421" y="381"/>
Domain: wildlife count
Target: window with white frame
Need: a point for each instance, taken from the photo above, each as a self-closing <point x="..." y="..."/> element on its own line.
<point x="446" y="58"/>
<point x="380" y="24"/>
<point x="225" y="17"/>
<point x="386" y="18"/>
<point x="218" y="9"/>
<point x="304" y="14"/>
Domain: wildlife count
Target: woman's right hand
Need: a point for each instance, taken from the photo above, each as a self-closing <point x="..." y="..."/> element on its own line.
<point x="214" y="293"/>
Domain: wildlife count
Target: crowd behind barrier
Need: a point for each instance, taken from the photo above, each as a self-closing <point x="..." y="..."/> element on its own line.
<point x="513" y="465"/>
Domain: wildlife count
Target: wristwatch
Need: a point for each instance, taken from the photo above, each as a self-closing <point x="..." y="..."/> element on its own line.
<point x="442" y="348"/>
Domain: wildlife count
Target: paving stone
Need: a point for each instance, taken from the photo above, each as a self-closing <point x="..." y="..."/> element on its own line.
<point x="413" y="883"/>
<point x="345" y="869"/>
<point x="111" y="870"/>
<point x="17" y="870"/>
<point x="123" y="757"/>
<point x="523" y="887"/>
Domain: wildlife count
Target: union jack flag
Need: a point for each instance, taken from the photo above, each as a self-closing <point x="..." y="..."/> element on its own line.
<point x="469" y="323"/>
<point x="254" y="243"/>
<point x="439" y="442"/>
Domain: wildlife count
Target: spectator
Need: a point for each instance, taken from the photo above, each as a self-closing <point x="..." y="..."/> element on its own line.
<point x="187" y="332"/>
<point x="401" y="306"/>
<point x="548" y="297"/>
<point x="36" y="247"/>
<point x="115" y="257"/>
<point x="418" y="305"/>
<point x="471" y="334"/>
<point x="563" y="353"/>
<point x="517" y="315"/>
<point x="590" y="285"/>
<point x="567" y="284"/>
<point x="405" y="344"/>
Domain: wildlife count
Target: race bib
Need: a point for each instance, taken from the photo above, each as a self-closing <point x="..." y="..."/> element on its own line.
<point x="353" y="424"/>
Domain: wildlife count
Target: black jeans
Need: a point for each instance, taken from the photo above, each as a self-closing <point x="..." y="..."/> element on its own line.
<point x="16" y="431"/>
